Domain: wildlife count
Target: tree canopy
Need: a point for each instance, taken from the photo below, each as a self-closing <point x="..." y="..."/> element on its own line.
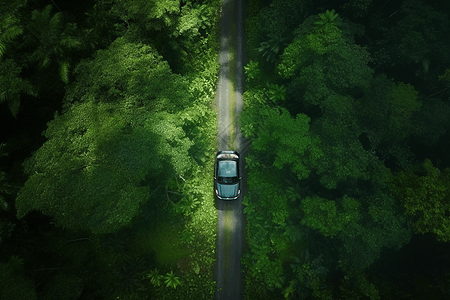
<point x="424" y="191"/>
<point x="362" y="123"/>
<point x="110" y="141"/>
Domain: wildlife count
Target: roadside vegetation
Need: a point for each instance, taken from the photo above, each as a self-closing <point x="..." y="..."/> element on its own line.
<point x="346" y="106"/>
<point x="114" y="199"/>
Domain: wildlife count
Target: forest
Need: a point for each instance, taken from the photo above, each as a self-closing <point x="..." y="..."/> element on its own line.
<point x="109" y="134"/>
<point x="347" y="107"/>
<point x="107" y="149"/>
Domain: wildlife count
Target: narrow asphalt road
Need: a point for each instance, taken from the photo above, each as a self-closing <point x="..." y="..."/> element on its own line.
<point x="231" y="222"/>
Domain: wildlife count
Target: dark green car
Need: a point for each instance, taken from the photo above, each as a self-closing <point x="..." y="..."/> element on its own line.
<point x="227" y="179"/>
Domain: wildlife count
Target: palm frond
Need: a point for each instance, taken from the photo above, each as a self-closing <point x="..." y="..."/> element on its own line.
<point x="14" y="105"/>
<point x="64" y="71"/>
<point x="69" y="42"/>
<point x="326" y="18"/>
<point x="41" y="19"/>
<point x="9" y="31"/>
<point x="46" y="12"/>
<point x="2" y="49"/>
<point x="28" y="88"/>
<point x="46" y="61"/>
<point x="55" y="21"/>
<point x="3" y="96"/>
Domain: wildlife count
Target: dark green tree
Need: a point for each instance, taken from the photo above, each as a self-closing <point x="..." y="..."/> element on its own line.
<point x="55" y="39"/>
<point x="10" y="27"/>
<point x="271" y="48"/>
<point x="14" y="284"/>
<point x="63" y="287"/>
<point x="321" y="63"/>
<point x="358" y="8"/>
<point x="11" y="84"/>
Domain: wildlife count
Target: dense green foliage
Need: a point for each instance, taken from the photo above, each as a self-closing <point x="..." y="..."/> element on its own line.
<point x="335" y="184"/>
<point x="346" y="107"/>
<point x="118" y="185"/>
<point x="426" y="195"/>
<point x="105" y="146"/>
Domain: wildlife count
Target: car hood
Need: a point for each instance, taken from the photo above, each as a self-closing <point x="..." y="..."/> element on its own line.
<point x="227" y="190"/>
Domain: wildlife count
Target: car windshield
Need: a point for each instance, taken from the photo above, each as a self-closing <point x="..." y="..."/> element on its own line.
<point x="227" y="168"/>
<point x="227" y="180"/>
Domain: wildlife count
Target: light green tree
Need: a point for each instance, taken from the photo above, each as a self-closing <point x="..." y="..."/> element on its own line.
<point x="287" y="139"/>
<point x="252" y="71"/>
<point x="303" y="49"/>
<point x="322" y="64"/>
<point x="113" y="139"/>
<point x="424" y="192"/>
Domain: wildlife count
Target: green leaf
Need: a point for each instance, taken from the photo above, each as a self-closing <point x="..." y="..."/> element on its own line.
<point x="196" y="267"/>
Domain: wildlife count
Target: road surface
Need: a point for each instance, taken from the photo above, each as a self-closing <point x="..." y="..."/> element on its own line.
<point x="231" y="222"/>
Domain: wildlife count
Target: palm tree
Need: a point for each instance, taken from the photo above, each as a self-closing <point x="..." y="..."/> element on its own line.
<point x="155" y="278"/>
<point x="328" y="17"/>
<point x="271" y="49"/>
<point x="9" y="25"/>
<point x="276" y="92"/>
<point x="171" y="280"/>
<point x="12" y="85"/>
<point x="54" y="39"/>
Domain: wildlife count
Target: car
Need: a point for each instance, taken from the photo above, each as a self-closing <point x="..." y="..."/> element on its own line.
<point x="227" y="179"/>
